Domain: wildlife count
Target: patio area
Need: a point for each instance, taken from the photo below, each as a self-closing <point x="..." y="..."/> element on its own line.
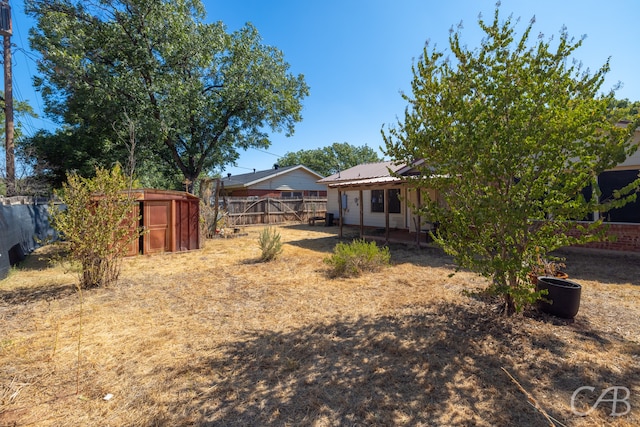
<point x="395" y="236"/>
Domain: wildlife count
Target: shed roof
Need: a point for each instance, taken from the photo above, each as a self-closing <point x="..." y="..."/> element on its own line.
<point x="253" y="178"/>
<point x="155" y="194"/>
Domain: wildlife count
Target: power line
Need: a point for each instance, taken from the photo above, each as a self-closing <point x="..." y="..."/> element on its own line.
<point x="262" y="151"/>
<point x="242" y="167"/>
<point x="27" y="120"/>
<point x="266" y="152"/>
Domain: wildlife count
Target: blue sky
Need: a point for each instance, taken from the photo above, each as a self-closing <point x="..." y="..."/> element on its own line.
<point x="356" y="55"/>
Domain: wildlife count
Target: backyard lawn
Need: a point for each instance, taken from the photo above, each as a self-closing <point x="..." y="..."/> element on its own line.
<point x="214" y="337"/>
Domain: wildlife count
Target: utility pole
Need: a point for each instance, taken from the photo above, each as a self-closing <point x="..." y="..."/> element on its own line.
<point x="6" y="31"/>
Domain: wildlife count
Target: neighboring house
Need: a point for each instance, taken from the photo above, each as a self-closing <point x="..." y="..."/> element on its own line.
<point x="285" y="182"/>
<point x="357" y="197"/>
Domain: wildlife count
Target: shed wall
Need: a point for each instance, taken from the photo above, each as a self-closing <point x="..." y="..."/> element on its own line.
<point x="171" y="220"/>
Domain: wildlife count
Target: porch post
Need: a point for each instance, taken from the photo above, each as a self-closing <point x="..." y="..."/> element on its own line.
<point x="340" y="213"/>
<point x="386" y="215"/>
<point x="361" y="215"/>
<point x="419" y="224"/>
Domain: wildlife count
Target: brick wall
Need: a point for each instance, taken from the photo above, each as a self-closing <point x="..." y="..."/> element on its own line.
<point x="625" y="237"/>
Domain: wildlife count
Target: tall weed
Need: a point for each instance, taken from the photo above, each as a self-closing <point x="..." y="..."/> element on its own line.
<point x="270" y="244"/>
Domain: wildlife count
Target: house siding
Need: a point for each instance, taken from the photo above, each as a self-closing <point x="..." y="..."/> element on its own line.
<point x="250" y="192"/>
<point x="412" y="218"/>
<point x="351" y="214"/>
<point x="297" y="180"/>
<point x="626" y="235"/>
<point x="633" y="161"/>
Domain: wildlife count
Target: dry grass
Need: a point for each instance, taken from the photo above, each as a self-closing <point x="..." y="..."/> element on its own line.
<point x="214" y="337"/>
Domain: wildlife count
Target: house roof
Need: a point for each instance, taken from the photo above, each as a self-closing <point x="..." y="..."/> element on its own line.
<point x="364" y="171"/>
<point x="253" y="178"/>
<point x="364" y="174"/>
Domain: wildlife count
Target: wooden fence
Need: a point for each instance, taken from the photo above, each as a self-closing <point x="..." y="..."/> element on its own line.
<point x="270" y="210"/>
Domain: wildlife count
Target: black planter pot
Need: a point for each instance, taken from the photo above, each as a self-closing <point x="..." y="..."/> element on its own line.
<point x="564" y="295"/>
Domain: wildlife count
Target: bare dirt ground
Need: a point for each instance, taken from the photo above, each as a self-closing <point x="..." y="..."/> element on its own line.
<point x="213" y="337"/>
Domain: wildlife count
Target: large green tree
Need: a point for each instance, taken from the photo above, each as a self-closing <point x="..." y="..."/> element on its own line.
<point x="196" y="93"/>
<point x="510" y="134"/>
<point x="80" y="149"/>
<point x="331" y="159"/>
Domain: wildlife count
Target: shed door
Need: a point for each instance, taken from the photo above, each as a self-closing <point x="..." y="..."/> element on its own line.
<point x="187" y="231"/>
<point x="157" y="219"/>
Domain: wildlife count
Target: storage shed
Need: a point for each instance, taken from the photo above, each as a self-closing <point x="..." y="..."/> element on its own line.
<point x="170" y="219"/>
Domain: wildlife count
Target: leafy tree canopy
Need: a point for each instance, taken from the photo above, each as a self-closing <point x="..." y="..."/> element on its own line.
<point x="625" y="110"/>
<point x="195" y="93"/>
<point x="81" y="150"/>
<point x="510" y="134"/>
<point x="331" y="159"/>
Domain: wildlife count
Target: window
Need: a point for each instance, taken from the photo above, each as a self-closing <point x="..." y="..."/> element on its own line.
<point x="614" y="180"/>
<point x="377" y="200"/>
<point x="587" y="193"/>
<point x="394" y="200"/>
<point x="291" y="194"/>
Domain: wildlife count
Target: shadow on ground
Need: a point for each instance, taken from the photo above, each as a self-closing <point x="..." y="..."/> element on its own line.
<point x="400" y="253"/>
<point x="436" y="365"/>
<point x="43" y="257"/>
<point x="31" y="294"/>
<point x="603" y="267"/>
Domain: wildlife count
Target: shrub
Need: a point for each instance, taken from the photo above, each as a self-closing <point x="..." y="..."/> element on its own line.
<point x="270" y="244"/>
<point x="352" y="259"/>
<point x="98" y="223"/>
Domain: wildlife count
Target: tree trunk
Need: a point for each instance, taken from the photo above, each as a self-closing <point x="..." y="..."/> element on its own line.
<point x="509" y="305"/>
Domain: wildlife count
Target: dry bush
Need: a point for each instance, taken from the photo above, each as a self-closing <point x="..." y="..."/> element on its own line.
<point x="358" y="257"/>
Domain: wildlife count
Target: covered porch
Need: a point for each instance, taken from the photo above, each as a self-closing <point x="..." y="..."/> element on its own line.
<point x="378" y="199"/>
<point x="387" y="225"/>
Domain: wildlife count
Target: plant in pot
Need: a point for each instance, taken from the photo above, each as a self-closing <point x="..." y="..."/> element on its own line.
<point x="561" y="297"/>
<point x="546" y="267"/>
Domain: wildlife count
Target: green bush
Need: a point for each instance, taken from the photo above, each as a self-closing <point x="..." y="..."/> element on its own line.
<point x="99" y="223"/>
<point x="270" y="244"/>
<point x="353" y="259"/>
